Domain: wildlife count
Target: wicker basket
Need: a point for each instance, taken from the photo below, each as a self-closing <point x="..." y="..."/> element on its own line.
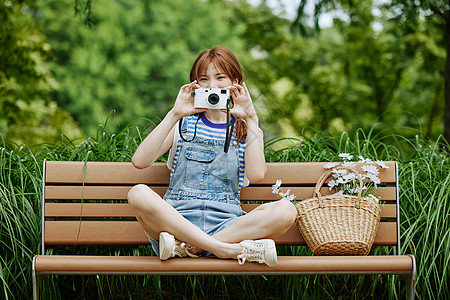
<point x="338" y="224"/>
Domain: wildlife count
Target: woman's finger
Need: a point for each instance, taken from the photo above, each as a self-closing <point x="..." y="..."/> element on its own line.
<point x="238" y="87"/>
<point x="184" y="87"/>
<point x="246" y="89"/>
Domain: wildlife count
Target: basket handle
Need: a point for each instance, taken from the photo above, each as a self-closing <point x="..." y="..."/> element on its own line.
<point x="327" y="174"/>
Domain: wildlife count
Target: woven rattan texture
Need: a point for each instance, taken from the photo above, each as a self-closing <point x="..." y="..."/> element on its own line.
<point x="338" y="224"/>
<point x="339" y="227"/>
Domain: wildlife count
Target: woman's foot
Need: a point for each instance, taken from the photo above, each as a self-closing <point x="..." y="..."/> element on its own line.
<point x="170" y="247"/>
<point x="261" y="251"/>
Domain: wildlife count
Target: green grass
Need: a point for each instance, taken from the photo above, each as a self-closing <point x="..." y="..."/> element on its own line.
<point x="424" y="168"/>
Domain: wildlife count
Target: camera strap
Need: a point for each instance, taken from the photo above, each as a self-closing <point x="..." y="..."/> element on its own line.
<point x="228" y="132"/>
<point x="195" y="130"/>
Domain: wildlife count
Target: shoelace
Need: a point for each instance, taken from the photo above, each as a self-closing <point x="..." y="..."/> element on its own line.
<point x="186" y="250"/>
<point x="178" y="250"/>
<point x="251" y="252"/>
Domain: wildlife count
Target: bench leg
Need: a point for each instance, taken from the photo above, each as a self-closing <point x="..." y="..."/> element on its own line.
<point x="411" y="280"/>
<point x="36" y="281"/>
<point x="410" y="283"/>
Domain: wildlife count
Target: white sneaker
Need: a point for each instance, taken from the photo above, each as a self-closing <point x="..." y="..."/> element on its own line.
<point x="170" y="247"/>
<point x="262" y="251"/>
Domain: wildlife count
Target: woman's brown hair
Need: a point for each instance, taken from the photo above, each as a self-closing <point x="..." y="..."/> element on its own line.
<point x="224" y="60"/>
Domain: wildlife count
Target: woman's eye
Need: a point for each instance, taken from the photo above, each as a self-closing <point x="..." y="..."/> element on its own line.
<point x="202" y="79"/>
<point x="221" y="77"/>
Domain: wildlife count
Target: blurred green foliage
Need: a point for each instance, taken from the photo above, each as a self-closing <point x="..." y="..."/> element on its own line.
<point x="369" y="68"/>
<point x="133" y="59"/>
<point x="27" y="113"/>
<point x="379" y="64"/>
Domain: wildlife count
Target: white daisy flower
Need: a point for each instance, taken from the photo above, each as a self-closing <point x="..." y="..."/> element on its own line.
<point x="345" y="156"/>
<point x="371" y="169"/>
<point x="364" y="160"/>
<point x="330" y="165"/>
<point x="374" y="178"/>
<point x="276" y="187"/>
<point x="381" y="164"/>
<point x="349" y="164"/>
<point x="332" y="184"/>
<point x="372" y="197"/>
<point x="340" y="172"/>
<point x="284" y="195"/>
<point x="350" y="177"/>
<point x="289" y="198"/>
<point x="347" y="183"/>
<point x="341" y="180"/>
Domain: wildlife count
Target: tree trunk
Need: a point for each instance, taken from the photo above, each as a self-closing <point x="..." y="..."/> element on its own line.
<point x="447" y="85"/>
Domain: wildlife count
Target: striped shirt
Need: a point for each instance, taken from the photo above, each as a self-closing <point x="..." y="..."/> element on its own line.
<point x="208" y="130"/>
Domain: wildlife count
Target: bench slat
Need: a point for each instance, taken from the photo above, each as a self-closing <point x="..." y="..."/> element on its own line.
<point x="67" y="192"/>
<point x="104" y="173"/>
<point x="310" y="172"/>
<point x="131" y="233"/>
<point x="71" y="264"/>
<point x="265" y="193"/>
<point x="121" y="173"/>
<point x="99" y="210"/>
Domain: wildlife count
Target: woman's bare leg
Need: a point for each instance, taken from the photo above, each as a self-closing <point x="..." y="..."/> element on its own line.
<point x="268" y="220"/>
<point x="156" y="215"/>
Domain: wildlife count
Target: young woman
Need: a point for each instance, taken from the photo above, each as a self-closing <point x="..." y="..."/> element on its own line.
<point x="200" y="212"/>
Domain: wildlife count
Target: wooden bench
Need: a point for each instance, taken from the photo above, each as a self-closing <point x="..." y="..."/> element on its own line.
<point x="85" y="204"/>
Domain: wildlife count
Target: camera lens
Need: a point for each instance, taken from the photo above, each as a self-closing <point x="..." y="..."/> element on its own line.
<point x="213" y="99"/>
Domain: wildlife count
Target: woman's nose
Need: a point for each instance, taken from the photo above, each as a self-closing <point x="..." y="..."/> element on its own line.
<point x="214" y="84"/>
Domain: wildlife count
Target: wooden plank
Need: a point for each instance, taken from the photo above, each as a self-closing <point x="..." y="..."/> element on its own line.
<point x="85" y="264"/>
<point x="131" y="233"/>
<point x="116" y="173"/>
<point x="102" y="210"/>
<point x="389" y="211"/>
<point x="88" y="210"/>
<point x="67" y="192"/>
<point x="122" y="173"/>
<point x="265" y="193"/>
<point x="86" y="193"/>
<point x="309" y="172"/>
<point x="251" y="193"/>
<point x="94" y="233"/>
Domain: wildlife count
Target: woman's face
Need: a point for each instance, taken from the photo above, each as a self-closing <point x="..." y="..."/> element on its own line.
<point x="214" y="78"/>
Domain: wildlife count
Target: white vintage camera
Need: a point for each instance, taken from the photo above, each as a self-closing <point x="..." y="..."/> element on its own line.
<point x="211" y="98"/>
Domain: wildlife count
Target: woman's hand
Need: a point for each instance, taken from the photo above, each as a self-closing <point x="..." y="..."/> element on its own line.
<point x="243" y="105"/>
<point x="255" y="162"/>
<point x="184" y="104"/>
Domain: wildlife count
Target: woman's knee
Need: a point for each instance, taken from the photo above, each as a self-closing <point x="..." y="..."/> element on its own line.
<point x="284" y="212"/>
<point x="140" y="196"/>
<point x="280" y="214"/>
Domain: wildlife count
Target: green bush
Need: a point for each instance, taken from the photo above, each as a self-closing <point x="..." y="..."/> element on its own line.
<point x="425" y="221"/>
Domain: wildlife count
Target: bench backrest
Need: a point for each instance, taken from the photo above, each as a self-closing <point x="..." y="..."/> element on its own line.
<point x="86" y="203"/>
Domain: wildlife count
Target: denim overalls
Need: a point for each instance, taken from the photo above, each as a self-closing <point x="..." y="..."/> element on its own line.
<point x="204" y="187"/>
